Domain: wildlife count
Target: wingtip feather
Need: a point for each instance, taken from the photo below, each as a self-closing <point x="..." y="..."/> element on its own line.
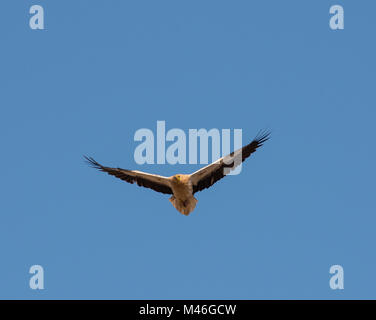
<point x="92" y="163"/>
<point x="262" y="136"/>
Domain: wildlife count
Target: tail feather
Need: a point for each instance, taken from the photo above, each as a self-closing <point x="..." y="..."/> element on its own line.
<point x="184" y="207"/>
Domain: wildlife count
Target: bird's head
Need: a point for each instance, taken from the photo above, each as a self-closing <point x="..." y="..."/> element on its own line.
<point x="177" y="177"/>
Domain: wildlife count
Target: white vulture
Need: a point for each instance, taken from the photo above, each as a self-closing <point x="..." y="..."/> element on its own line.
<point x="182" y="187"/>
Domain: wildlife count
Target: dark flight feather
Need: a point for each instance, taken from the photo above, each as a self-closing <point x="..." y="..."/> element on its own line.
<point x="141" y="179"/>
<point x="212" y="177"/>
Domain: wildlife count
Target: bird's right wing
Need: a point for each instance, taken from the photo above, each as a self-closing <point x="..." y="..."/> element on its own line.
<point x="143" y="179"/>
<point x="207" y="176"/>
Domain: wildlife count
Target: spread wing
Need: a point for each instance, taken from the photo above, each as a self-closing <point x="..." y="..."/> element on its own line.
<point x="207" y="176"/>
<point x="143" y="179"/>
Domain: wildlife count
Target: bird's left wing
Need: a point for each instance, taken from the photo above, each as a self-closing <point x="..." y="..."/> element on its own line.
<point x="207" y="176"/>
<point x="143" y="179"/>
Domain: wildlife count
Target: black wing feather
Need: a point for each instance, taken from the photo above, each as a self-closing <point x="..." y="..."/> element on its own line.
<point x="124" y="175"/>
<point x="208" y="180"/>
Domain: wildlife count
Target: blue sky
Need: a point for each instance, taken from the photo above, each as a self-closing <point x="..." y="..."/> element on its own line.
<point x="103" y="69"/>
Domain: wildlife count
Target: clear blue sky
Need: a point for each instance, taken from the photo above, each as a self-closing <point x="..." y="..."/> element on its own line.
<point x="103" y="69"/>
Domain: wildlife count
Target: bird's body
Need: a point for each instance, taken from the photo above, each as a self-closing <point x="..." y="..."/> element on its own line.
<point x="182" y="187"/>
<point x="182" y="199"/>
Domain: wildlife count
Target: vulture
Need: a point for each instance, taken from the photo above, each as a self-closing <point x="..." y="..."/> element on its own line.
<point x="182" y="187"/>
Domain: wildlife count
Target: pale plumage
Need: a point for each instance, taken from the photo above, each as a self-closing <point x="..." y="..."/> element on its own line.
<point x="184" y="186"/>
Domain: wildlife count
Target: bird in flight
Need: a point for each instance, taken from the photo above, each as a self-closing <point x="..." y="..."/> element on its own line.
<point x="182" y="187"/>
